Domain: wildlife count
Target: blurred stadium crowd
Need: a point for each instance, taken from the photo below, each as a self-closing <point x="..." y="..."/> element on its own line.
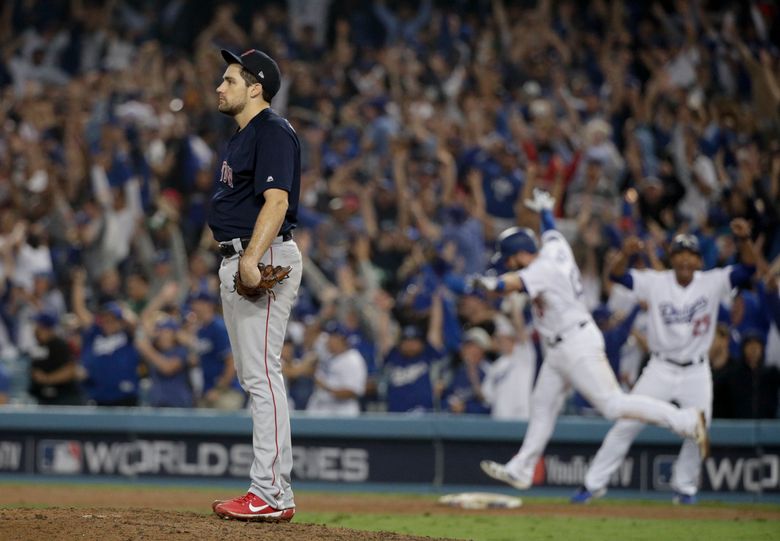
<point x="423" y="127"/>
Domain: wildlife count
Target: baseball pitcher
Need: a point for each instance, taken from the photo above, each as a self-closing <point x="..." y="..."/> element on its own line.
<point x="253" y="214"/>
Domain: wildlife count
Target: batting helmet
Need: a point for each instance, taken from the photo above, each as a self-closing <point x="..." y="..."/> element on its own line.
<point x="514" y="240"/>
<point x="684" y="242"/>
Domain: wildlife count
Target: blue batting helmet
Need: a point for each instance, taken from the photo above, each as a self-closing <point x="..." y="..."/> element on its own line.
<point x="684" y="242"/>
<point x="514" y="240"/>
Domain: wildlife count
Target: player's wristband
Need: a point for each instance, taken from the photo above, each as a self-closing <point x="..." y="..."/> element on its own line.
<point x="500" y="285"/>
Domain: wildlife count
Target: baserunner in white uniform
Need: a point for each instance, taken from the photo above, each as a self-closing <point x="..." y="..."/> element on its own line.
<point x="683" y="312"/>
<point x="574" y="347"/>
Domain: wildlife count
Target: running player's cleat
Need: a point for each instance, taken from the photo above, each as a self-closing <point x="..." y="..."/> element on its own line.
<point x="684" y="499"/>
<point x="583" y="495"/>
<point x="252" y="508"/>
<point x="499" y="472"/>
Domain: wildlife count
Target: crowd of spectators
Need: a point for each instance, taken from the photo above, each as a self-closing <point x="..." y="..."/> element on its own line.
<point x="423" y="126"/>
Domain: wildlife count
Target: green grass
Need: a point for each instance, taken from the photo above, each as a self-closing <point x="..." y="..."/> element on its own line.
<point x="526" y="528"/>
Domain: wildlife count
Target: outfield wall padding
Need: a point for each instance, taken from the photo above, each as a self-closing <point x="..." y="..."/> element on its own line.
<point x="437" y="449"/>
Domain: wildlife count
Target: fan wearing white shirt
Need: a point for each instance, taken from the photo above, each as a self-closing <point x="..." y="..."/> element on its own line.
<point x="340" y="377"/>
<point x="509" y="380"/>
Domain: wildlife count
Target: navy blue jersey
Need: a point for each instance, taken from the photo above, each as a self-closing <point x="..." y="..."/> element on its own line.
<point x="265" y="154"/>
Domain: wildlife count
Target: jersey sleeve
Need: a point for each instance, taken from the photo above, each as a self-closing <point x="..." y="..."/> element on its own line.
<point x="642" y="282"/>
<point x="552" y="235"/>
<point x="274" y="160"/>
<point x="721" y="281"/>
<point x="535" y="276"/>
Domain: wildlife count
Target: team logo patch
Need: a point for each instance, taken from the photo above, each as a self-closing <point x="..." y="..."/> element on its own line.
<point x="59" y="456"/>
<point x="269" y="179"/>
<point x="226" y="176"/>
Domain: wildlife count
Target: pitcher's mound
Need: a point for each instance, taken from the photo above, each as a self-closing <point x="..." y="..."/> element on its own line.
<point x="114" y="524"/>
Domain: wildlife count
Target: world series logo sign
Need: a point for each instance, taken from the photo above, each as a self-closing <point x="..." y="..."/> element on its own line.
<point x="59" y="457"/>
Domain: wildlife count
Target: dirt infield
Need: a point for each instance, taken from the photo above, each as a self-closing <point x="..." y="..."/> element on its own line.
<point x="33" y="512"/>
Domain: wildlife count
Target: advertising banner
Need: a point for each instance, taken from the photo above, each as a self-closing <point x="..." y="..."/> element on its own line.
<point x="356" y="460"/>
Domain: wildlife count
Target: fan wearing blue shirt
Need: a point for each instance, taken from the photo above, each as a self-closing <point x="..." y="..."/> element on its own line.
<point x="408" y="372"/>
<point x="500" y="181"/>
<point x="221" y="388"/>
<point x="108" y="355"/>
<point x="166" y="360"/>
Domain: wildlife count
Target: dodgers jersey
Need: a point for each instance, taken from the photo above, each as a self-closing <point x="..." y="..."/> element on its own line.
<point x="682" y="320"/>
<point x="554" y="283"/>
<point x="265" y="154"/>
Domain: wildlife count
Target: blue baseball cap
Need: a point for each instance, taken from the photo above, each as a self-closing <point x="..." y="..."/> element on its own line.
<point x="46" y="319"/>
<point x="685" y="242"/>
<point x="204" y="295"/>
<point x="167" y="323"/>
<point x="334" y="327"/>
<point x="411" y="332"/>
<point x="112" y="308"/>
<point x="512" y="241"/>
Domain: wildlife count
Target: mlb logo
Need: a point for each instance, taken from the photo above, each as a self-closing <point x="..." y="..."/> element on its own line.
<point x="62" y="457"/>
<point x="662" y="471"/>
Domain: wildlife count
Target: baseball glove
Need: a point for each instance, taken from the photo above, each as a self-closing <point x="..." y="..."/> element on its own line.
<point x="269" y="277"/>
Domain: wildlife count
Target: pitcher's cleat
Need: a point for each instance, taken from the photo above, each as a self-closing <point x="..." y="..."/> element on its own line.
<point x="251" y="508"/>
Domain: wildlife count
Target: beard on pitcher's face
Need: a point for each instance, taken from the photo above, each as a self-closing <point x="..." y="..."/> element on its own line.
<point x="231" y="108"/>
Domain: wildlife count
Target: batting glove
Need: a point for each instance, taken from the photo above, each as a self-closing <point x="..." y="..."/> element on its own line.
<point x="542" y="200"/>
<point x="484" y="283"/>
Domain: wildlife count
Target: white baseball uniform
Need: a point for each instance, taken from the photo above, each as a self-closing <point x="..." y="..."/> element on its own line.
<point x="509" y="381"/>
<point x="575" y="357"/>
<point x="346" y="370"/>
<point x="256" y="330"/>
<point x="682" y="323"/>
